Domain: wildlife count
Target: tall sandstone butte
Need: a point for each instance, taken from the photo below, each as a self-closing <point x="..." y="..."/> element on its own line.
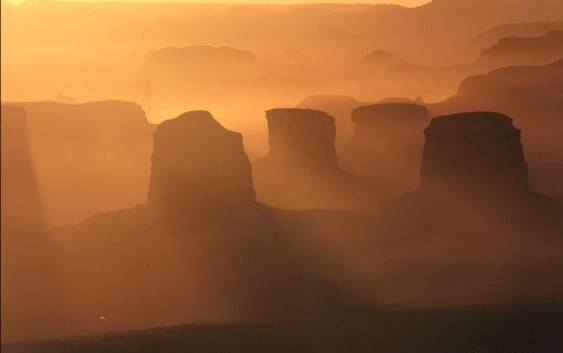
<point x="197" y="164"/>
<point x="387" y="144"/>
<point x="474" y="153"/>
<point x="340" y="107"/>
<point x="202" y="242"/>
<point x="532" y="96"/>
<point x="472" y="233"/>
<point x="301" y="169"/>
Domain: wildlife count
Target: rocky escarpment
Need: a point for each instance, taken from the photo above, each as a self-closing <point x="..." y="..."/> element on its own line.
<point x="474" y="154"/>
<point x="201" y="249"/>
<point x="340" y="107"/>
<point x="30" y="304"/>
<point x="528" y="29"/>
<point x="387" y="143"/>
<point x="301" y="169"/>
<point x="512" y="51"/>
<point x="302" y="138"/>
<point x="197" y="164"/>
<point x="88" y="157"/>
<point x="473" y="220"/>
<point x="531" y="95"/>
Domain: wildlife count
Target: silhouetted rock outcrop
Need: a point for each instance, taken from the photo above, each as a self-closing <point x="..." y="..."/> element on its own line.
<point x="387" y="144"/>
<point x="201" y="248"/>
<point x="302" y="138"/>
<point x="302" y="155"/>
<point x="89" y="157"/>
<point x="531" y="95"/>
<point x="530" y="29"/>
<point x="513" y="51"/>
<point x="340" y="107"/>
<point x="29" y="302"/>
<point x="474" y="154"/>
<point x="474" y="231"/>
<point x="197" y="164"/>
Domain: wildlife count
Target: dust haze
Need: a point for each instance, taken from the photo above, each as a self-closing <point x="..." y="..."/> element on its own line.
<point x="282" y="177"/>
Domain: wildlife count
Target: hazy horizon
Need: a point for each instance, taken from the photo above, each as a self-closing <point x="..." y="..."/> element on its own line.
<point x="409" y="3"/>
<point x="281" y="176"/>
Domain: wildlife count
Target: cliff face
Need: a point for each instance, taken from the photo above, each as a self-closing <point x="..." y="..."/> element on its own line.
<point x="301" y="138"/>
<point x="301" y="169"/>
<point x="387" y="143"/>
<point x="29" y="300"/>
<point x="473" y="220"/>
<point x="474" y="154"/>
<point x="531" y="95"/>
<point x="201" y="249"/>
<point x="198" y="164"/>
<point x="340" y="107"/>
<point x="89" y="157"/>
<point x="512" y="51"/>
<point x="526" y="29"/>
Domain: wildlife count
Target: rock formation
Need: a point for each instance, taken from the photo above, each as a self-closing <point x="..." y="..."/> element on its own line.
<point x="197" y="59"/>
<point x="301" y="169"/>
<point x="473" y="232"/>
<point x="301" y="138"/>
<point x="29" y="300"/>
<point x="198" y="164"/>
<point x="531" y="95"/>
<point x="340" y="107"/>
<point x="528" y="29"/>
<point x="201" y="248"/>
<point x="513" y="51"/>
<point x="387" y="144"/>
<point x="88" y="157"/>
<point x="474" y="154"/>
<point x="200" y="76"/>
<point x="381" y="58"/>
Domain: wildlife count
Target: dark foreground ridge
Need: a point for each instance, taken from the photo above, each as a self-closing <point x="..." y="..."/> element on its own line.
<point x="526" y="328"/>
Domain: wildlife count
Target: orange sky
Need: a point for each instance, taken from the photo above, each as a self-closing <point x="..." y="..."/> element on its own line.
<point x="401" y="2"/>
